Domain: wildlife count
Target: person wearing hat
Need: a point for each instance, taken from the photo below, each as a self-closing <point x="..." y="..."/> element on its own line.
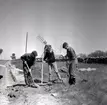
<point x="28" y="61"/>
<point x="49" y="58"/>
<point x="72" y="65"/>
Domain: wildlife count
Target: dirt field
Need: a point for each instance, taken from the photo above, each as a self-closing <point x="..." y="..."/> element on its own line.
<point x="90" y="89"/>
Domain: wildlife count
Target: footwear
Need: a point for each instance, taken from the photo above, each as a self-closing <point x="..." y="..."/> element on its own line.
<point x="34" y="85"/>
<point x="72" y="80"/>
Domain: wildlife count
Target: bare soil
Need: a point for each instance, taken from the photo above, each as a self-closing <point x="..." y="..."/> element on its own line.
<point x="90" y="89"/>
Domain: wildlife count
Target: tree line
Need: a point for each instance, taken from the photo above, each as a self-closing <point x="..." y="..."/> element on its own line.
<point x="97" y="56"/>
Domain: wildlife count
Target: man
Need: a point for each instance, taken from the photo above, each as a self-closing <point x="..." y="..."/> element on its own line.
<point x="28" y="61"/>
<point x="49" y="57"/>
<point x="1" y="76"/>
<point x="71" y="56"/>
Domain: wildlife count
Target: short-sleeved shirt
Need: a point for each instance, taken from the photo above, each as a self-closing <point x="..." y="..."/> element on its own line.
<point x="71" y="54"/>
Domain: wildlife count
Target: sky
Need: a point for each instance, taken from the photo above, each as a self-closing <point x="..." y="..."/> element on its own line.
<point x="81" y="23"/>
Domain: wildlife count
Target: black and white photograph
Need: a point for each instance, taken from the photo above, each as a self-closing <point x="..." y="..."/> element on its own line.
<point x="53" y="52"/>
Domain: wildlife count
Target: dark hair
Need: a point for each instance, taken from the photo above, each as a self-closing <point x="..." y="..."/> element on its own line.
<point x="34" y="53"/>
<point x="47" y="47"/>
<point x="65" y="44"/>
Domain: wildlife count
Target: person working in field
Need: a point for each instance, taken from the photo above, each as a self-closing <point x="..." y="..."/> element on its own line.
<point x="72" y="65"/>
<point x="28" y="61"/>
<point x="1" y="76"/>
<point x="49" y="57"/>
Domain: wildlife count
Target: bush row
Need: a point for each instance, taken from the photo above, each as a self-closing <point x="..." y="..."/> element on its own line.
<point x="99" y="60"/>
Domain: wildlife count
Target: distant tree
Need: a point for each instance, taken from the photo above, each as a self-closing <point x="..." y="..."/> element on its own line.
<point x="106" y="54"/>
<point x="81" y="55"/>
<point x="1" y="50"/>
<point x="97" y="53"/>
<point x="13" y="56"/>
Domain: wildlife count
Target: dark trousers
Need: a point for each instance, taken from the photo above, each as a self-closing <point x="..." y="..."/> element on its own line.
<point x="71" y="70"/>
<point x="72" y="67"/>
<point x="27" y="76"/>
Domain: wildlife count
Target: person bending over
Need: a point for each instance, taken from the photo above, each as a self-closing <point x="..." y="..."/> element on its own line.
<point x="28" y="61"/>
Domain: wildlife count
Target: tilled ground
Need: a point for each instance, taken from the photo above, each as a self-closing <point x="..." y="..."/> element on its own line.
<point x="90" y="89"/>
<point x="56" y="94"/>
<point x="20" y="95"/>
